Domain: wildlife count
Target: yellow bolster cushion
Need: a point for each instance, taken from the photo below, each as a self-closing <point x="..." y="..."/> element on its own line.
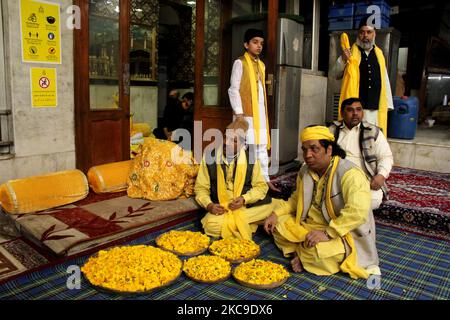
<point x="43" y="192"/>
<point x="110" y="177"/>
<point x="142" y="127"/>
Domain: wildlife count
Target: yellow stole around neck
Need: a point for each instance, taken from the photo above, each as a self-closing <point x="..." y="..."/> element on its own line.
<point x="350" y="84"/>
<point x="255" y="105"/>
<point x="235" y="224"/>
<point x="350" y="264"/>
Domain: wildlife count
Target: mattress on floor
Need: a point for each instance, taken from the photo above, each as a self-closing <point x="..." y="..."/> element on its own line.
<point x="97" y="220"/>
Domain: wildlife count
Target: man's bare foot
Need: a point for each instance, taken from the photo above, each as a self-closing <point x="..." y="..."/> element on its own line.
<point x="296" y="264"/>
<point x="272" y="187"/>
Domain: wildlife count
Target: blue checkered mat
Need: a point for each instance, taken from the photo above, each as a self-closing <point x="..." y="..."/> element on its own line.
<point x="413" y="267"/>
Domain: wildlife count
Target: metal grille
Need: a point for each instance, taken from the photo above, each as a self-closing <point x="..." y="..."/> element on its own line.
<point x="5" y="141"/>
<point x="336" y="98"/>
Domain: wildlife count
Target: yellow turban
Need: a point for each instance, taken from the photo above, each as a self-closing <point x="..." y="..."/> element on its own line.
<point x="316" y="133"/>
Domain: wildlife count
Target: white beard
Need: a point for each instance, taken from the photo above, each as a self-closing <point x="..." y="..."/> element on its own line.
<point x="365" y="45"/>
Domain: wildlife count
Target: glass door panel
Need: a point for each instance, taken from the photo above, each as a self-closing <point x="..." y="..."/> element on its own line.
<point x="104" y="54"/>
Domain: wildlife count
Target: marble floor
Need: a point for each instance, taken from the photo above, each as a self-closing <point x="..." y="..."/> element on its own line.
<point x="429" y="150"/>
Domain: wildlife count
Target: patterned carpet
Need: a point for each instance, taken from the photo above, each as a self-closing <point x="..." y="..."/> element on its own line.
<point x="419" y="201"/>
<point x="413" y="267"/>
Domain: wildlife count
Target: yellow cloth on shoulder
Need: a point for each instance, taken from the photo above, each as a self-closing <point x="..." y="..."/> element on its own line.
<point x="350" y="263"/>
<point x="255" y="105"/>
<point x="350" y="81"/>
<point x="235" y="224"/>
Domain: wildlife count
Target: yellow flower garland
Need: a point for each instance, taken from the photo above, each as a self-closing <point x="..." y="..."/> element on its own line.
<point x="207" y="268"/>
<point x="233" y="249"/>
<point x="183" y="242"/>
<point x="132" y="268"/>
<point x="260" y="272"/>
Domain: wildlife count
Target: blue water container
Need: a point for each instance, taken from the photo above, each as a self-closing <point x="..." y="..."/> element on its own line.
<point x="402" y="121"/>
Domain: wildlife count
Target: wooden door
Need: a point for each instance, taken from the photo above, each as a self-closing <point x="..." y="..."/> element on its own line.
<point x="102" y="91"/>
<point x="213" y="61"/>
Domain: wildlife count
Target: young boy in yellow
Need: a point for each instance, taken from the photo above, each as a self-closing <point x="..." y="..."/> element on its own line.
<point x="247" y="95"/>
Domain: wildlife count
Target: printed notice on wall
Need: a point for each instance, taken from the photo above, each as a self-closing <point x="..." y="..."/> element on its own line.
<point x="43" y="87"/>
<point x="40" y="31"/>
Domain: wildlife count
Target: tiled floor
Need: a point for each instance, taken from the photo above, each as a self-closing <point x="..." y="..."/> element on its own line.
<point x="429" y="150"/>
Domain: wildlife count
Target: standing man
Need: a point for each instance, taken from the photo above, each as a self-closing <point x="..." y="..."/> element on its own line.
<point x="247" y="95"/>
<point x="231" y="189"/>
<point x="365" y="145"/>
<point x="327" y="224"/>
<point x="371" y="77"/>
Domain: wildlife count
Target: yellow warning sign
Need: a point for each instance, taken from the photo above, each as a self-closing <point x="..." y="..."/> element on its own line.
<point x="41" y="33"/>
<point x="43" y="87"/>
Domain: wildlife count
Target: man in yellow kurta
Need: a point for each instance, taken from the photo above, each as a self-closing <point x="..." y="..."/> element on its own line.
<point x="231" y="187"/>
<point x="327" y="223"/>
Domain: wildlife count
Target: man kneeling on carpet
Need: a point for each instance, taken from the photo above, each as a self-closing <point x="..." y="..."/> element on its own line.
<point x="327" y="224"/>
<point x="366" y="146"/>
<point x="231" y="187"/>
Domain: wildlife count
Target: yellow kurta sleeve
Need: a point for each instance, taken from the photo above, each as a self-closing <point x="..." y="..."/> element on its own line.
<point x="203" y="186"/>
<point x="259" y="186"/>
<point x="289" y="206"/>
<point x="357" y="198"/>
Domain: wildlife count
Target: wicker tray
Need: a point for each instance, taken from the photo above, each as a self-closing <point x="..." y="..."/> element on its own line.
<point x="260" y="286"/>
<point x="108" y="290"/>
<point x="239" y="260"/>
<point x="187" y="254"/>
<point x="209" y="282"/>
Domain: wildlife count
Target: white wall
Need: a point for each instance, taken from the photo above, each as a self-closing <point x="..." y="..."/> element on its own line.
<point x="44" y="138"/>
<point x="313" y="101"/>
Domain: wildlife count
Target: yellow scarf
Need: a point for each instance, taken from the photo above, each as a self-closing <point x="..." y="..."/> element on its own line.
<point x="235" y="224"/>
<point x="350" y="264"/>
<point x="350" y="81"/>
<point x="255" y="106"/>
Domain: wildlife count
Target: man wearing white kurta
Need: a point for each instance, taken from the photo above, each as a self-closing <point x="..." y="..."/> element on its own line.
<point x="243" y="91"/>
<point x="370" y="77"/>
<point x="365" y="145"/>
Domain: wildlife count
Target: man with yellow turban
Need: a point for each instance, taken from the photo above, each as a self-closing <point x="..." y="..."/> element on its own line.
<point x="232" y="188"/>
<point x="327" y="224"/>
<point x="364" y="73"/>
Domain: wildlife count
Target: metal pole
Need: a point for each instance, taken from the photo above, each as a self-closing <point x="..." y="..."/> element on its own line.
<point x="315" y="35"/>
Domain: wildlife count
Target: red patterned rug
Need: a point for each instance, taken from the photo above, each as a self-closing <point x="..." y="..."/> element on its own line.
<point x="419" y="201"/>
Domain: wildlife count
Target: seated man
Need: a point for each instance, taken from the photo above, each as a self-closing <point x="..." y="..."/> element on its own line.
<point x="232" y="188"/>
<point x="327" y="223"/>
<point x="366" y="146"/>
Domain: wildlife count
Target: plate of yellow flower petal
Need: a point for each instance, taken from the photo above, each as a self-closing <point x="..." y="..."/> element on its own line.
<point x="207" y="269"/>
<point x="235" y="250"/>
<point x="183" y="243"/>
<point x="260" y="274"/>
<point x="132" y="269"/>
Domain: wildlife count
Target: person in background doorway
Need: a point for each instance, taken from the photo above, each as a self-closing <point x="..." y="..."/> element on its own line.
<point x="177" y="114"/>
<point x="247" y="95"/>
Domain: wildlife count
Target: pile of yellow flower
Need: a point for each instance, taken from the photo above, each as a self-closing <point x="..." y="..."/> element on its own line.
<point x="183" y="242"/>
<point x="207" y="268"/>
<point x="260" y="272"/>
<point x="132" y="268"/>
<point x="235" y="249"/>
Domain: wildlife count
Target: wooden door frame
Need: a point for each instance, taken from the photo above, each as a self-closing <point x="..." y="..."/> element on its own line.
<point x="83" y="114"/>
<point x="216" y="113"/>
